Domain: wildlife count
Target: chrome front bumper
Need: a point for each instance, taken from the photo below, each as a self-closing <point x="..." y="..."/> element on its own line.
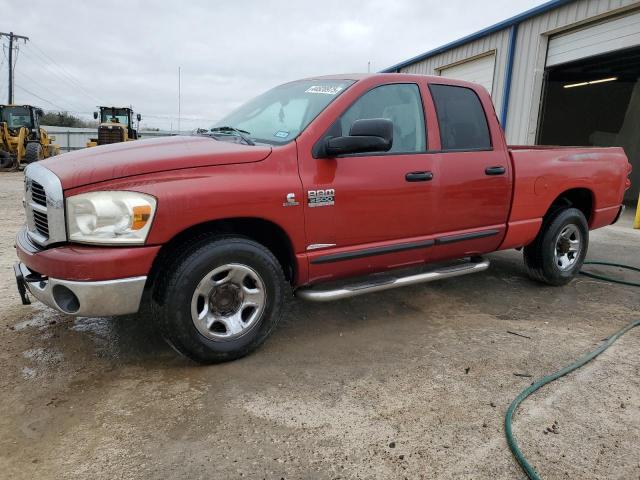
<point x="87" y="299"/>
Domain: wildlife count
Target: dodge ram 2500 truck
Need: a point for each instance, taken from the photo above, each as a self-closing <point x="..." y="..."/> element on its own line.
<point x="330" y="187"/>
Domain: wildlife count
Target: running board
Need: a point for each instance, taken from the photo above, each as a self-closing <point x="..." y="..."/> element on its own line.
<point x="389" y="281"/>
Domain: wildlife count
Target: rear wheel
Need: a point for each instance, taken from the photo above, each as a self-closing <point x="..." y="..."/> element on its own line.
<point x="556" y="255"/>
<point x="221" y="299"/>
<point x="33" y="152"/>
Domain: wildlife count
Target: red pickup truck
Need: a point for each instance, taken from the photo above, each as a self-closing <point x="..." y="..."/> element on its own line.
<point x="329" y="187"/>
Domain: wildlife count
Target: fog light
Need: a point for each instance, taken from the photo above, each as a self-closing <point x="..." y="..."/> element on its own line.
<point x="65" y="299"/>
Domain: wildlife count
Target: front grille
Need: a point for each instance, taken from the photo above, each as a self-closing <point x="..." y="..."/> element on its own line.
<point x="38" y="194"/>
<point x="44" y="206"/>
<point x="41" y="222"/>
<point x="108" y="135"/>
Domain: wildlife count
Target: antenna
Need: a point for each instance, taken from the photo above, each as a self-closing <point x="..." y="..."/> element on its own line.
<point x="179" y="96"/>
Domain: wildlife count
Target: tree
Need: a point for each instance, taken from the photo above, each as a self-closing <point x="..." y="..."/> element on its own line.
<point x="65" y="119"/>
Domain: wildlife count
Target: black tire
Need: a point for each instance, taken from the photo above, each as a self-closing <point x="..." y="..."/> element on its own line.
<point x="7" y="162"/>
<point x="33" y="152"/>
<point x="540" y="256"/>
<point x="177" y="284"/>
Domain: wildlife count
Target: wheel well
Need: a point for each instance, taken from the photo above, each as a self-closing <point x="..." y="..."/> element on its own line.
<point x="262" y="231"/>
<point x="580" y="198"/>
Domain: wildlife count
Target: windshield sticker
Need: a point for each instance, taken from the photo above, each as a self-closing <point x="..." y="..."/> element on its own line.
<point x="324" y="89"/>
<point x="281" y="134"/>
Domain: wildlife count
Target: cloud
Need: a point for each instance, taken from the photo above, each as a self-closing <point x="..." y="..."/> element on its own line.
<point x="128" y="52"/>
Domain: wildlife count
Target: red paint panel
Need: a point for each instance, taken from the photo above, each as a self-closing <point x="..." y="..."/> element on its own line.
<point x="603" y="217"/>
<point x="121" y="160"/>
<point x="521" y="233"/>
<point x="542" y="174"/>
<point x="85" y="263"/>
<point x="192" y="196"/>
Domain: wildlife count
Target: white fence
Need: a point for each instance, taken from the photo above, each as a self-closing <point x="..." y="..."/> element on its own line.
<point x="69" y="138"/>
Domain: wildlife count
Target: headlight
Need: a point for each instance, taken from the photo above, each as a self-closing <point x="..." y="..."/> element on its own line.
<point x="110" y="217"/>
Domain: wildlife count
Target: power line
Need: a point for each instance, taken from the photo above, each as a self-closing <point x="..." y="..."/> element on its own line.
<point x="41" y="98"/>
<point x="42" y="87"/>
<point x="4" y="58"/>
<point x="4" y="54"/>
<point x="66" y="72"/>
<point x="35" y="57"/>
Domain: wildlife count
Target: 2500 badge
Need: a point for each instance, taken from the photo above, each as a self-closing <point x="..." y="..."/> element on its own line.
<point x="321" y="198"/>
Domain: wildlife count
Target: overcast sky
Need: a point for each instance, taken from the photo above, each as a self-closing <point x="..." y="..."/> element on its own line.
<point x="83" y="53"/>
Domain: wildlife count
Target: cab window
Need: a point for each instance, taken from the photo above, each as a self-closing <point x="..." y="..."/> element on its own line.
<point x="463" y="124"/>
<point x="400" y="103"/>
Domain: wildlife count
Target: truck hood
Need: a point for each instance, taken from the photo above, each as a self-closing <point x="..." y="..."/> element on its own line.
<point x="108" y="162"/>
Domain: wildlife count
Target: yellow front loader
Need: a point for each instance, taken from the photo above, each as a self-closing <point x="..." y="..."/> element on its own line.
<point x="22" y="140"/>
<point x="116" y="125"/>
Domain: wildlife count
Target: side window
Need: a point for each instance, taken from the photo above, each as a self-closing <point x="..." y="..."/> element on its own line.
<point x="400" y="103"/>
<point x="463" y="124"/>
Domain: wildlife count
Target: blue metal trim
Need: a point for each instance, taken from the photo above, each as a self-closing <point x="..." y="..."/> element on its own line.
<point x="513" y="36"/>
<point x="545" y="7"/>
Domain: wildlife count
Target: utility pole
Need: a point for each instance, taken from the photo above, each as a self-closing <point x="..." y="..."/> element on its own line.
<point x="11" y="36"/>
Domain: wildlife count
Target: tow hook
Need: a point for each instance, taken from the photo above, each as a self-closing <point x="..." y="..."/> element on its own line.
<point x="22" y="286"/>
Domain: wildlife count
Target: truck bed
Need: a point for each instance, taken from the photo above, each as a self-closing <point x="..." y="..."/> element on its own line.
<point x="544" y="173"/>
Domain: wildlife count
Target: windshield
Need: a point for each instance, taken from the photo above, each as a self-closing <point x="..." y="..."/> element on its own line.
<point x="115" y="115"/>
<point x="280" y="114"/>
<point x="16" y="117"/>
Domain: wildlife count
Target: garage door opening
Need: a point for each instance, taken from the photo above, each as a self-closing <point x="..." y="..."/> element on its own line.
<point x="595" y="102"/>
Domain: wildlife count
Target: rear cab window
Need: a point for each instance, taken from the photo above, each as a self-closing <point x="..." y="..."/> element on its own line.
<point x="462" y="120"/>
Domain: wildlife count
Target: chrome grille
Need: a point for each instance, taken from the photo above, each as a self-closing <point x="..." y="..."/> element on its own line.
<point x="42" y="223"/>
<point x="44" y="206"/>
<point x="38" y="194"/>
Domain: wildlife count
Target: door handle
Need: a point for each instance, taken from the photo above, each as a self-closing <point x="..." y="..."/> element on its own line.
<point x="497" y="170"/>
<point x="418" y="176"/>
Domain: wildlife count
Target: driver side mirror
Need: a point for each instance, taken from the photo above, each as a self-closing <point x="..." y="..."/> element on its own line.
<point x="95" y="115"/>
<point x="366" y="135"/>
<point x="138" y="117"/>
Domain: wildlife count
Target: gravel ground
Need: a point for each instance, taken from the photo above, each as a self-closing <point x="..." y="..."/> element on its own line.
<point x="411" y="383"/>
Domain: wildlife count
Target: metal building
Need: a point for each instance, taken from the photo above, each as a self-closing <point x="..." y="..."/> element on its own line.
<point x="563" y="73"/>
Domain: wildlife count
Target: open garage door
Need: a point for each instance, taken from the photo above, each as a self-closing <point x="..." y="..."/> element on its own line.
<point x="607" y="36"/>
<point x="478" y="70"/>
<point x="595" y="101"/>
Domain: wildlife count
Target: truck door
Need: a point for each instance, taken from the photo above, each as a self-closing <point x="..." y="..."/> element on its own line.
<point x="475" y="178"/>
<point x="369" y="212"/>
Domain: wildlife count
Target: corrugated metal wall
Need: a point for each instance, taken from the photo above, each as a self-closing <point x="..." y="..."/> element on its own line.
<point x="528" y="68"/>
<point x="69" y="138"/>
<point x="531" y="51"/>
<point x="498" y="41"/>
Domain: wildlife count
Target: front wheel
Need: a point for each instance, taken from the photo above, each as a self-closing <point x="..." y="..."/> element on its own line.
<point x="221" y="299"/>
<point x="33" y="152"/>
<point x="556" y="255"/>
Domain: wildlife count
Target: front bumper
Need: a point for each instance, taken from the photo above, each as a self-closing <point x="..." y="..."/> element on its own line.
<point x="87" y="299"/>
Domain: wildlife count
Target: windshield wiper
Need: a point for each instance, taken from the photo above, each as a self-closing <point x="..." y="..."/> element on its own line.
<point x="243" y="134"/>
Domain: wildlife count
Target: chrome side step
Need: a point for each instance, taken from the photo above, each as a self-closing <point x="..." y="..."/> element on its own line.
<point x="319" y="294"/>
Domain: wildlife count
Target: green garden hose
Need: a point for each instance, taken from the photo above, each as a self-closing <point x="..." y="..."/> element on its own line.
<point x="608" y="279"/>
<point x="517" y="453"/>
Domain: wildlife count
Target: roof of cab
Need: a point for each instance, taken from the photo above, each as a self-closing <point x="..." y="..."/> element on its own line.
<point x="393" y="77"/>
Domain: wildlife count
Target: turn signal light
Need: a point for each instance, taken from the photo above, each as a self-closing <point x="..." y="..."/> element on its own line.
<point x="141" y="215"/>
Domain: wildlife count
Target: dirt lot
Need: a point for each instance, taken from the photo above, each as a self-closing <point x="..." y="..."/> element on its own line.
<point x="411" y="383"/>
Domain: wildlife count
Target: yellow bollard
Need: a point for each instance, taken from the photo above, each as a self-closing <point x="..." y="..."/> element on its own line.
<point x="636" y="223"/>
